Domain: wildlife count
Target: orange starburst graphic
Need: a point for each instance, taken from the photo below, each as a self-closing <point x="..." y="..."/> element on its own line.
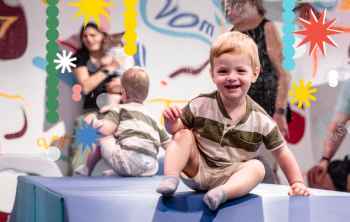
<point x="317" y="32"/>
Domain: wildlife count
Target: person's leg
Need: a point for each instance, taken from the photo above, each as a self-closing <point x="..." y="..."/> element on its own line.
<point x="269" y="173"/>
<point x="91" y="161"/>
<point x="110" y="173"/>
<point x="271" y="165"/>
<point x="93" y="158"/>
<point x="243" y="179"/>
<point x="181" y="155"/>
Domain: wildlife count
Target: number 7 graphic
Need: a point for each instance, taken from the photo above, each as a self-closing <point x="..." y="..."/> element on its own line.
<point x="13" y="30"/>
<point x="8" y="21"/>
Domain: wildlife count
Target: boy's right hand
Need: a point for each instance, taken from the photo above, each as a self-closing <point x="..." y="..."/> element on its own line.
<point x="89" y="118"/>
<point x="172" y="112"/>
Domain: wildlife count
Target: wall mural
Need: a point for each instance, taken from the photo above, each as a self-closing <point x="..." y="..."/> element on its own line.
<point x="174" y="42"/>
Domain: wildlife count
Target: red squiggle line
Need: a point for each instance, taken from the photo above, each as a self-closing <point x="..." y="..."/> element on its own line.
<point x="67" y="44"/>
<point x="20" y="133"/>
<point x="344" y="29"/>
<point x="315" y="64"/>
<point x="188" y="70"/>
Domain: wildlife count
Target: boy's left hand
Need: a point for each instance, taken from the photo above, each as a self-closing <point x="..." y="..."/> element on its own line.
<point x="299" y="189"/>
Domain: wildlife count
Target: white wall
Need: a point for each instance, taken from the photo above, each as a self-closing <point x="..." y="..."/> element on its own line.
<point x="167" y="49"/>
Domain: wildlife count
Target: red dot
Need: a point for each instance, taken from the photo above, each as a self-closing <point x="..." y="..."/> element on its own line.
<point x="104" y="25"/>
<point x="164" y="83"/>
<point x="77" y="88"/>
<point x="107" y="11"/>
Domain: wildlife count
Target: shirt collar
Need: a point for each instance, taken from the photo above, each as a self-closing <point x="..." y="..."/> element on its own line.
<point x="224" y="112"/>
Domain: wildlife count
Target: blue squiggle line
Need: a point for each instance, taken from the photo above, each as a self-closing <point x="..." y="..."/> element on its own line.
<point x="324" y="132"/>
<point x="143" y="4"/>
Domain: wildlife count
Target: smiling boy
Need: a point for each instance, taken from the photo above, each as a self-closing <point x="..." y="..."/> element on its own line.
<point x="217" y="136"/>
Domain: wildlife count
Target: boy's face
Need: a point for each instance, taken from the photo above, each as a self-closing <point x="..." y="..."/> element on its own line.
<point x="233" y="74"/>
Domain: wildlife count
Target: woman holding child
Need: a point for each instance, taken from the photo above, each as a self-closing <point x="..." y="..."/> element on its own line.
<point x="93" y="80"/>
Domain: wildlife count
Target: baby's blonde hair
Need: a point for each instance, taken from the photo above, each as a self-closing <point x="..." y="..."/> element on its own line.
<point x="235" y="43"/>
<point x="135" y="81"/>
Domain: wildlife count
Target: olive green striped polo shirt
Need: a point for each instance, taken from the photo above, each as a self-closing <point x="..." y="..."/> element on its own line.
<point x="137" y="130"/>
<point x="222" y="143"/>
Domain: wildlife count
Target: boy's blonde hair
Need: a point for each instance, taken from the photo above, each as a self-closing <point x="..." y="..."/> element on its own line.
<point x="135" y="81"/>
<point x="235" y="43"/>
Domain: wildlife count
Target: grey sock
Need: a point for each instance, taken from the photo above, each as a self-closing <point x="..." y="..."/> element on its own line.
<point x="213" y="198"/>
<point x="169" y="185"/>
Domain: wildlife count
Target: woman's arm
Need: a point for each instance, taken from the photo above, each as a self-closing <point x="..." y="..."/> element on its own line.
<point x="274" y="48"/>
<point x="330" y="148"/>
<point x="87" y="82"/>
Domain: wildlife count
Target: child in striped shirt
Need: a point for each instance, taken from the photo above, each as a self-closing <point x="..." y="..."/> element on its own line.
<point x="217" y="136"/>
<point x="134" y="136"/>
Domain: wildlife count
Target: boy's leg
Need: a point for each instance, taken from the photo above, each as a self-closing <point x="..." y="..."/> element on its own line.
<point x="110" y="173"/>
<point x="91" y="161"/>
<point x="181" y="155"/>
<point x="243" y="179"/>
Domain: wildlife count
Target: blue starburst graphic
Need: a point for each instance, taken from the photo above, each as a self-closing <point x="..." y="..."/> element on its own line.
<point x="87" y="136"/>
<point x="324" y="132"/>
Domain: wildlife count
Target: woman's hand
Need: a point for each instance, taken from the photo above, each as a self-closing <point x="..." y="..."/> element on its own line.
<point x="111" y="66"/>
<point x="320" y="170"/>
<point x="281" y="121"/>
<point x="114" y="86"/>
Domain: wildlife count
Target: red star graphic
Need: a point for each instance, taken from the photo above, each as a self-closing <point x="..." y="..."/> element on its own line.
<point x="317" y="32"/>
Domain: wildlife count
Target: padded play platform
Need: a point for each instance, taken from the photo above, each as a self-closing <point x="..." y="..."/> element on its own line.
<point x="98" y="199"/>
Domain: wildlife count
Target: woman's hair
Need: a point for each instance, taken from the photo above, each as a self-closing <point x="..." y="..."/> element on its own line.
<point x="83" y="48"/>
<point x="226" y="4"/>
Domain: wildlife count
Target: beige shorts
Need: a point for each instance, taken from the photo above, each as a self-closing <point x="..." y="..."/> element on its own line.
<point x="123" y="163"/>
<point x="208" y="177"/>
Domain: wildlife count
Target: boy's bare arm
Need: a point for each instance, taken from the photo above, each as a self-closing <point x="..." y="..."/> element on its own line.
<point x="107" y="129"/>
<point x="172" y="121"/>
<point x="290" y="168"/>
<point x="165" y="145"/>
<point x="173" y="126"/>
<point x="288" y="164"/>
